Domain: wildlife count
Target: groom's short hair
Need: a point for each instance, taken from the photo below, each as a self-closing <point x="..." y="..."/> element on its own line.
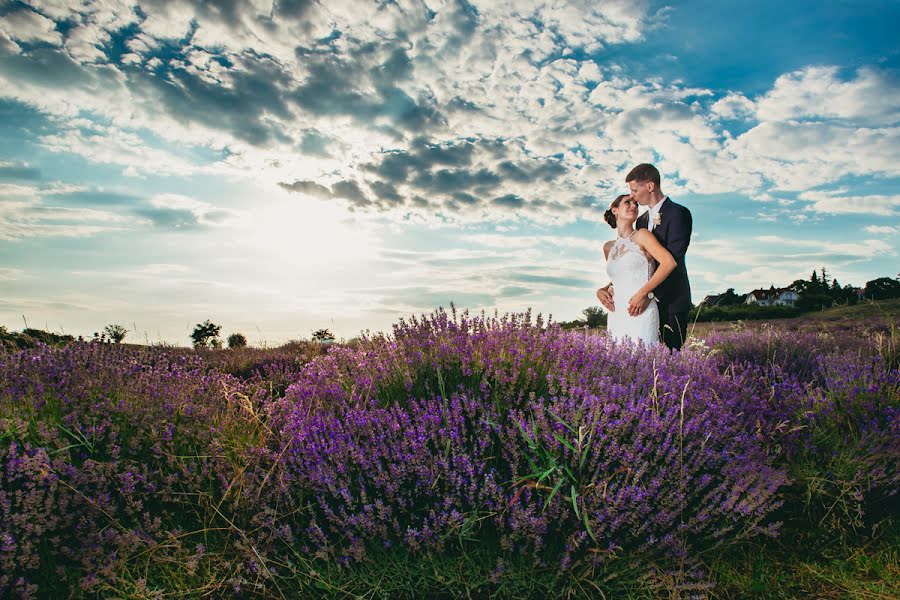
<point x="644" y="172"/>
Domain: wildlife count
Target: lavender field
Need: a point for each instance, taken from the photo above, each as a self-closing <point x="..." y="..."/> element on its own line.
<point x="459" y="456"/>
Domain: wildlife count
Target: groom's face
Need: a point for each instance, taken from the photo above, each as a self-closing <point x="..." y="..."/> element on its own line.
<point x="641" y="191"/>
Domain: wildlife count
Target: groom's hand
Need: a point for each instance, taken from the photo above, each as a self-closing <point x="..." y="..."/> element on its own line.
<point x="606" y="299"/>
<point x="638" y="304"/>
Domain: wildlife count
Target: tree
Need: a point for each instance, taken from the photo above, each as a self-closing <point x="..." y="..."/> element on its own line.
<point x="810" y="294"/>
<point x="237" y="340"/>
<point x="115" y="332"/>
<point x="323" y="335"/>
<point x="850" y="294"/>
<point x="594" y="316"/>
<point x="206" y="334"/>
<point x="883" y="288"/>
<point x="730" y="298"/>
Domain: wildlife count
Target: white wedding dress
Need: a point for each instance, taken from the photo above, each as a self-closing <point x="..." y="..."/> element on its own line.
<point x="629" y="269"/>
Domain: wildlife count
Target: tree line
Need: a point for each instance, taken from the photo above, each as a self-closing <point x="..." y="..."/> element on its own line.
<point x="818" y="292"/>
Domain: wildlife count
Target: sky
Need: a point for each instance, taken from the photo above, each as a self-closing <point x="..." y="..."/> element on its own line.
<point x="283" y="166"/>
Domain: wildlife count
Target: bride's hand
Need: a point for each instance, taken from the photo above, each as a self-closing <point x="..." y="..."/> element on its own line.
<point x="638" y="304"/>
<point x="606" y="299"/>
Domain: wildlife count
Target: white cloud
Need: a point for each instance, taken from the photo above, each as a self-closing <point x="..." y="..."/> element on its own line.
<point x="7" y="45"/>
<point x="799" y="156"/>
<point x="733" y="106"/>
<point x="27" y="26"/>
<point x="836" y="202"/>
<point x="111" y="145"/>
<point x="158" y="269"/>
<point x="203" y="213"/>
<point x="11" y="274"/>
<point x="56" y="9"/>
<point x="483" y="74"/>
<point x="84" y="43"/>
<point x="24" y="215"/>
<point x="819" y="93"/>
<point x="764" y="260"/>
<point x="882" y="229"/>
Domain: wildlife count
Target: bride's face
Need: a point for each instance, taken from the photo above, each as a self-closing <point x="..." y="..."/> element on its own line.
<point x="627" y="209"/>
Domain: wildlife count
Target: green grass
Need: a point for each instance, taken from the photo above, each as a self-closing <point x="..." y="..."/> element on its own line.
<point x="864" y="309"/>
<point x="813" y="565"/>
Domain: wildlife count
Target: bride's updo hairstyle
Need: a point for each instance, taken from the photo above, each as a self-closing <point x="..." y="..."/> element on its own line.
<point x="608" y="215"/>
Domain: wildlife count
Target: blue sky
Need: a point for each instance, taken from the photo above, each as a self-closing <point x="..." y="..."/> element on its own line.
<point x="282" y="166"/>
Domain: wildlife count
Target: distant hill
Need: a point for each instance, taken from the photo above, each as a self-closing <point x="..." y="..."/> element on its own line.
<point x="863" y="309"/>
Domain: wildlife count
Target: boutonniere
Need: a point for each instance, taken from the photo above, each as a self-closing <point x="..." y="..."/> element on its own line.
<point x="657" y="219"/>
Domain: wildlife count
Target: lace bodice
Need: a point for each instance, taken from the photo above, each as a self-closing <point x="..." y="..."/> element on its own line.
<point x="624" y="248"/>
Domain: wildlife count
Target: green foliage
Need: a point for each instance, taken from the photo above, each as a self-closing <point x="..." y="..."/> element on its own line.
<point x="811" y="564"/>
<point x="812" y="294"/>
<point x="883" y="288"/>
<point x="237" y="340"/>
<point x="550" y="471"/>
<point x="323" y="335"/>
<point x="741" y="312"/>
<point x="116" y="333"/>
<point x="206" y="334"/>
<point x="473" y="571"/>
<point x="594" y="316"/>
<point x="730" y="298"/>
<point x="29" y="337"/>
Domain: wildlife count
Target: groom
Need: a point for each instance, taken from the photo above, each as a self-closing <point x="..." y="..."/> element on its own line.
<point x="671" y="224"/>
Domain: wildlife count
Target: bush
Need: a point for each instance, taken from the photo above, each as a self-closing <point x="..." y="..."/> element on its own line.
<point x="323" y="335"/>
<point x="745" y="312"/>
<point x="503" y="431"/>
<point x="237" y="340"/>
<point x="116" y="333"/>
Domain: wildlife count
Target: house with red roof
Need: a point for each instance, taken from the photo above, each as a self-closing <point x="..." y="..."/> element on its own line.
<point x="772" y="297"/>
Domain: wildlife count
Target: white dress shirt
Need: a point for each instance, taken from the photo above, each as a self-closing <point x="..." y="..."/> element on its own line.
<point x="653" y="212"/>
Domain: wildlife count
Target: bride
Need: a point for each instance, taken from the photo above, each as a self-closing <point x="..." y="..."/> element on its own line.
<point x="631" y="261"/>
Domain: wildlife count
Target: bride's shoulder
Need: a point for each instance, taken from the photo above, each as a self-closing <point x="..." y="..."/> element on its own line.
<point x="607" y="247"/>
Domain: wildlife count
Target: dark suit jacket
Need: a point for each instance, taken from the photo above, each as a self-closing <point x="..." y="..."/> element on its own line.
<point x="674" y="233"/>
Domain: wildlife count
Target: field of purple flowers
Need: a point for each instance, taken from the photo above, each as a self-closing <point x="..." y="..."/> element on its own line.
<point x="458" y="456"/>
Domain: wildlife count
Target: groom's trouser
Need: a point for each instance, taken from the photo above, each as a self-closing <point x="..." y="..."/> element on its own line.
<point x="673" y="328"/>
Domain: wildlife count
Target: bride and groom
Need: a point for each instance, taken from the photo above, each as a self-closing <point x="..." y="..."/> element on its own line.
<point x="649" y="295"/>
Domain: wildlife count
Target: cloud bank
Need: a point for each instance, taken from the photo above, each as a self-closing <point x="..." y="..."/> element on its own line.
<point x="457" y="111"/>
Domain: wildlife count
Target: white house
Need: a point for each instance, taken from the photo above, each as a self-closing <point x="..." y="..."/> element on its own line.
<point x="772" y="297"/>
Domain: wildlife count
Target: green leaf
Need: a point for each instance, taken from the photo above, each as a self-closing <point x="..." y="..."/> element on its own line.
<point x="565" y="443"/>
<point x="587" y="526"/>
<point x="560" y="421"/>
<point x="586" y="449"/>
<point x="546" y="473"/>
<point x="528" y="440"/>
<point x="553" y="493"/>
<point x="78" y="436"/>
